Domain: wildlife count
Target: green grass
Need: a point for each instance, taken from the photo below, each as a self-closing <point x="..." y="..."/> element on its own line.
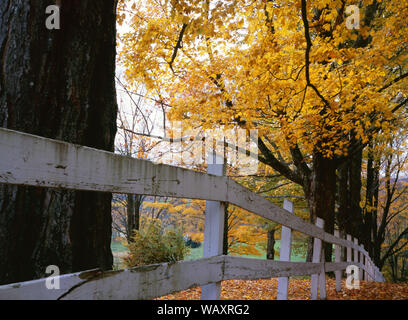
<point x="197" y="253"/>
<point x="117" y="247"/>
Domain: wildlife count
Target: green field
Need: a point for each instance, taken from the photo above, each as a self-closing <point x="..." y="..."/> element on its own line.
<point x="119" y="249"/>
<point x="197" y="253"/>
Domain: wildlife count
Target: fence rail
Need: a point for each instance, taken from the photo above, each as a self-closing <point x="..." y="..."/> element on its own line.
<point x="37" y="161"/>
<point x="152" y="281"/>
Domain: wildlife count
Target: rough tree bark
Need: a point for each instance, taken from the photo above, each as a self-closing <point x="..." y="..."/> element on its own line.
<point x="355" y="167"/>
<point x="225" y="233"/>
<point x="368" y="210"/>
<point x="57" y="84"/>
<point x="270" y="247"/>
<point x="130" y="210"/>
<point x="321" y="197"/>
<point x="134" y="202"/>
<point x="318" y="183"/>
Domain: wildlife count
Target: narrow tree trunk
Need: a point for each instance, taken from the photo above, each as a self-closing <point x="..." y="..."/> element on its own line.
<point x="343" y="211"/>
<point x="394" y="267"/>
<point x="368" y="208"/>
<point x="344" y="208"/>
<point x="270" y="247"/>
<point x="376" y="247"/>
<point x="138" y="205"/>
<point x="57" y="84"/>
<point x="130" y="210"/>
<point x="134" y="203"/>
<point x="225" y="235"/>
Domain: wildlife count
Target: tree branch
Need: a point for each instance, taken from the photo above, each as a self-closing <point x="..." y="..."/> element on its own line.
<point x="178" y="46"/>
<point x="393" y="81"/>
<point x="270" y="160"/>
<point x="390" y="249"/>
<point x="307" y="53"/>
<point x="299" y="161"/>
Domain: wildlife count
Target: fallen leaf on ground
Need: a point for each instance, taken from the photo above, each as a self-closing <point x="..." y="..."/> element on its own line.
<point x="266" y="289"/>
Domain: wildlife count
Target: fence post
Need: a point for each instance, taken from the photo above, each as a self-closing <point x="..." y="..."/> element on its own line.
<point x="370" y="268"/>
<point x="361" y="274"/>
<point x="322" y="277"/>
<point x="318" y="280"/>
<point x="213" y="227"/>
<point x="375" y="272"/>
<point x="365" y="272"/>
<point x="380" y="277"/>
<point x="355" y="260"/>
<point x="348" y="249"/>
<point x="337" y="258"/>
<point x="285" y="249"/>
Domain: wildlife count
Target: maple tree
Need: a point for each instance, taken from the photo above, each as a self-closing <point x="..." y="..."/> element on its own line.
<point x="316" y="91"/>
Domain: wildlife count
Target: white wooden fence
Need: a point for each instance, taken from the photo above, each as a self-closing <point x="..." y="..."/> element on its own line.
<point x="36" y="161"/>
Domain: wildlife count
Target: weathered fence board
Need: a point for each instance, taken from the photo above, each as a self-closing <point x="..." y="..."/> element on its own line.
<point x="156" y="280"/>
<point x="37" y="161"/>
<point x="316" y="281"/>
<point x="252" y="269"/>
<point x="37" y="290"/>
<point x="361" y="274"/>
<point x="355" y="251"/>
<point x="285" y="250"/>
<point x="349" y="248"/>
<point x="139" y="283"/>
<point x="337" y="257"/>
<point x="213" y="228"/>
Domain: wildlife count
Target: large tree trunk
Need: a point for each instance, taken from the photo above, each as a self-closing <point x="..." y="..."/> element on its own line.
<point x="321" y="197"/>
<point x="356" y="222"/>
<point x="57" y="84"/>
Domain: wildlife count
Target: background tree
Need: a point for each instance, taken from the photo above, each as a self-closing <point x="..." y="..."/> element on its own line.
<point x="134" y="115"/>
<point x="385" y="215"/>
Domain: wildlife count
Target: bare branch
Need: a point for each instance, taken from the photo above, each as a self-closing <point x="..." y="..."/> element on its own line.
<point x="178" y="46"/>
